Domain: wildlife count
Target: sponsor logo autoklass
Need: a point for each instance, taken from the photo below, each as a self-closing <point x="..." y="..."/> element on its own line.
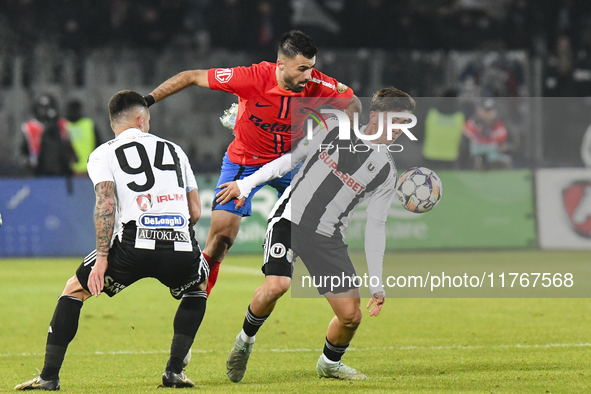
<point x="163" y="235"/>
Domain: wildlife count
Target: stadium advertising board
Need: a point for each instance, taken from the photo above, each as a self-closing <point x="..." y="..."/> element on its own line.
<point x="41" y="218"/>
<point x="46" y="217"/>
<point x="478" y="210"/>
<point x="563" y="198"/>
<point x="492" y="209"/>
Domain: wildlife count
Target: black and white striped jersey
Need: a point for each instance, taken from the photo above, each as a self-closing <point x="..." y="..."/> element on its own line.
<point x="336" y="176"/>
<point x="152" y="177"/>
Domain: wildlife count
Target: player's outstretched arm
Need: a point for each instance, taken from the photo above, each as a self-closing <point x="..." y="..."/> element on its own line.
<point x="375" y="247"/>
<point x="104" y="223"/>
<point x="177" y="83"/>
<point x="274" y="169"/>
<point x="241" y="188"/>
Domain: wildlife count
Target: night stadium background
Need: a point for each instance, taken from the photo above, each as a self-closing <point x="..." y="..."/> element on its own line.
<point x="533" y="215"/>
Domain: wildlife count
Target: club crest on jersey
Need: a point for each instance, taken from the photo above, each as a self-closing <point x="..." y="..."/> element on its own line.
<point x="144" y="201"/>
<point x="371" y="167"/>
<point x="277" y="250"/>
<point x="223" y="75"/>
<point x="163" y="220"/>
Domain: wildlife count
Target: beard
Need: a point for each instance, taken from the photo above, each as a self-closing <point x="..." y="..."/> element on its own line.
<point x="297" y="88"/>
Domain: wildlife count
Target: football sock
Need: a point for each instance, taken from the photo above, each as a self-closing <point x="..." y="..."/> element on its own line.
<point x="62" y="330"/>
<point x="252" y="323"/>
<point x="245" y="337"/>
<point x="214" y="269"/>
<point x="179" y="343"/>
<point x="187" y="320"/>
<point x="333" y="352"/>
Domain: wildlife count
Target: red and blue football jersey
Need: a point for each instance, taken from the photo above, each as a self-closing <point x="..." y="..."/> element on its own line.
<point x="265" y="125"/>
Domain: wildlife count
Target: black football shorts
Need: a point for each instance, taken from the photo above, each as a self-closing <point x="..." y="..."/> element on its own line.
<point x="181" y="272"/>
<point x="323" y="256"/>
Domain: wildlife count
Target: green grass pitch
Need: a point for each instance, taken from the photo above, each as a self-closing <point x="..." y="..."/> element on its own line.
<point x="415" y="345"/>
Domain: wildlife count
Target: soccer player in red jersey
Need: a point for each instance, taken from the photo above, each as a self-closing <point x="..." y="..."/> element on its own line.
<point x="264" y="122"/>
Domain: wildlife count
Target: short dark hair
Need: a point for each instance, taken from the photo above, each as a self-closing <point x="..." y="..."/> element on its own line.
<point x="392" y="99"/>
<point x="124" y="100"/>
<point x="295" y="43"/>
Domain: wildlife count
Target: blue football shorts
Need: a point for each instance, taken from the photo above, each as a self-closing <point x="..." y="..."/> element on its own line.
<point x="232" y="172"/>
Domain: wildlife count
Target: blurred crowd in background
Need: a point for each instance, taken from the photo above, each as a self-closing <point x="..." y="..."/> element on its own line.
<point x="454" y="49"/>
<point x="537" y="25"/>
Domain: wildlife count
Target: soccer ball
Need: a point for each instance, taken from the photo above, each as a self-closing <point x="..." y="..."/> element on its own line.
<point x="419" y="189"/>
<point x="228" y="119"/>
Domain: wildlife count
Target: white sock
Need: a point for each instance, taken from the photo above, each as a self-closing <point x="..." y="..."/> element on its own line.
<point x="329" y="361"/>
<point x="246" y="338"/>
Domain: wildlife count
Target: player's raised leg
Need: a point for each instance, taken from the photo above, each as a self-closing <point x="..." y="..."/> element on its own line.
<point x="222" y="233"/>
<point x="62" y="330"/>
<point x="340" y="332"/>
<point x="263" y="302"/>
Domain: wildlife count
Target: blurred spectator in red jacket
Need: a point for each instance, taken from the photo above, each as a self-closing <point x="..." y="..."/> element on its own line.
<point x="45" y="140"/>
<point x="486" y="137"/>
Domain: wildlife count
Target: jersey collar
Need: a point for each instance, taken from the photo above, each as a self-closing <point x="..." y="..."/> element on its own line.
<point x="282" y="92"/>
<point x="129" y="133"/>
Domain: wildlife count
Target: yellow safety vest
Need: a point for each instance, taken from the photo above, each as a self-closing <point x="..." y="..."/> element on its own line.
<point x="443" y="134"/>
<point x="83" y="140"/>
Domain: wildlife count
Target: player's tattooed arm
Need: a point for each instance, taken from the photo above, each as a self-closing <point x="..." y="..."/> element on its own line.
<point x="354" y="107"/>
<point x="179" y="82"/>
<point x="104" y="223"/>
<point x="104" y="216"/>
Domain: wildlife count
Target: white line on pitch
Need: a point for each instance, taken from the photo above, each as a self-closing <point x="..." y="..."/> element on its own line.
<point x="297" y="350"/>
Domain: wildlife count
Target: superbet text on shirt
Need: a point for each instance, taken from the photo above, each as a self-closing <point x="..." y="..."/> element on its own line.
<point x="265" y="124"/>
